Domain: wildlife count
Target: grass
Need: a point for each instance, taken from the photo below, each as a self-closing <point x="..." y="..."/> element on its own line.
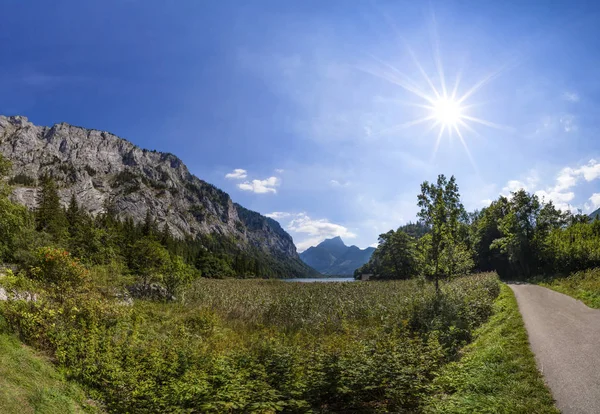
<point x="30" y="384"/>
<point x="261" y="346"/>
<point x="583" y="285"/>
<point x="497" y="372"/>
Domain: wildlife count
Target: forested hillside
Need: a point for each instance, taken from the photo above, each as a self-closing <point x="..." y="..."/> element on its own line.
<point x="121" y="191"/>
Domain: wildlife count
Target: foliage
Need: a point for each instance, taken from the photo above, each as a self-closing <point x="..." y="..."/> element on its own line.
<point x="583" y="285"/>
<point x="24" y="180"/>
<point x="148" y="259"/>
<point x="441" y="210"/>
<point x="260" y="346"/>
<point x="394" y="258"/>
<point x="14" y="219"/>
<point x="574" y="248"/>
<point x="518" y="236"/>
<point x="49" y="215"/>
<point x="437" y="246"/>
<point x="497" y="372"/>
<point x="178" y="274"/>
<point x="57" y="269"/>
<point x="30" y="384"/>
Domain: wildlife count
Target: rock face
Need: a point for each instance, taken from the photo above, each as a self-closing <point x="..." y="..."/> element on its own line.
<point x="105" y="171"/>
<point x="333" y="257"/>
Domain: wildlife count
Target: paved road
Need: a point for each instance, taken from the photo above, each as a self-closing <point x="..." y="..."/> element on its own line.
<point x="565" y="338"/>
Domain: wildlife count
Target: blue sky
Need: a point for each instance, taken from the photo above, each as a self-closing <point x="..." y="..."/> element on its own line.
<point x="304" y="97"/>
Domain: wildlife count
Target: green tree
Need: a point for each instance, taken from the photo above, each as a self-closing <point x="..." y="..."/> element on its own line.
<point x="486" y="230"/>
<point x="149" y="260"/>
<point x="15" y="220"/>
<point x="215" y="267"/>
<point x="395" y="257"/>
<point x="50" y="216"/>
<point x="441" y="210"/>
<point x="518" y="228"/>
<point x="178" y="274"/>
<point x="150" y="226"/>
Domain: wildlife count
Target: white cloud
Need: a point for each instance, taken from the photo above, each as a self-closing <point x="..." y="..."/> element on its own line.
<point x="559" y="193"/>
<point x="237" y="174"/>
<point x="310" y="232"/>
<point x="568" y="177"/>
<point x="595" y="199"/>
<point x="278" y="215"/>
<point x="571" y="96"/>
<point x="279" y="170"/>
<point x="560" y="199"/>
<point x="260" y="186"/>
<point x="529" y="184"/>
<point x="336" y="183"/>
<point x="591" y="171"/>
<point x="556" y="123"/>
<point x="568" y="123"/>
<point x="514" y="185"/>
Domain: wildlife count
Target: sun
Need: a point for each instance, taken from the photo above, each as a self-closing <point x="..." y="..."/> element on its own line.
<point x="447" y="109"/>
<point x="447" y="112"/>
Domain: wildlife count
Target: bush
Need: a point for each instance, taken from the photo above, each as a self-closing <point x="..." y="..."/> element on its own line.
<point x="56" y="268"/>
<point x="261" y="346"/>
<point x="24" y="180"/>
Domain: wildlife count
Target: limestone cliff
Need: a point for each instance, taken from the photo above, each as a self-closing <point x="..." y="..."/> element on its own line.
<point x="104" y="170"/>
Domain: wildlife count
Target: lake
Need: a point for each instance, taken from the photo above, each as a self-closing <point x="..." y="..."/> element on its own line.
<point x="321" y="279"/>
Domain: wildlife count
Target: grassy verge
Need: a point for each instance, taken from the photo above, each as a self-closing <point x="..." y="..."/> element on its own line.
<point x="30" y="384"/>
<point x="497" y="372"/>
<point x="583" y="285"/>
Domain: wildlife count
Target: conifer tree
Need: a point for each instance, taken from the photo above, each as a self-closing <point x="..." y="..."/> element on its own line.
<point x="50" y="216"/>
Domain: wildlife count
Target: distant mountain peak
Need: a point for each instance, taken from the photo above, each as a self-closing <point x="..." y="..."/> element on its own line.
<point x="333" y="257"/>
<point x="337" y="240"/>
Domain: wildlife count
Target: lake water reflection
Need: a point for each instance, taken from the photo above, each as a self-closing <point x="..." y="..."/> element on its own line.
<point x="321" y="279"/>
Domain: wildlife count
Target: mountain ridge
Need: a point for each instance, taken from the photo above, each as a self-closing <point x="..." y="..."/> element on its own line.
<point x="332" y="257"/>
<point x="106" y="171"/>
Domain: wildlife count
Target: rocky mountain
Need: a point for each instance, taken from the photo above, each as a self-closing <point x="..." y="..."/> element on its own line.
<point x="594" y="214"/>
<point x="105" y="171"/>
<point x="333" y="257"/>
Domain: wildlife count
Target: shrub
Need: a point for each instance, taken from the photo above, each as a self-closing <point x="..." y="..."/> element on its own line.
<point x="56" y="268"/>
<point x="261" y="346"/>
<point x="24" y="180"/>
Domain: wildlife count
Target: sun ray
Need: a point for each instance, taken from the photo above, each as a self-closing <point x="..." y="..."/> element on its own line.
<point x="394" y="69"/>
<point x="473" y="105"/>
<point x="437" y="141"/>
<point x="470" y="128"/>
<point x="488" y="78"/>
<point x="456" y="83"/>
<point x="407" y="124"/>
<point x="414" y="90"/>
<point x="466" y="147"/>
<point x="431" y="127"/>
<point x="437" y="54"/>
<point x="404" y="103"/>
<point x="487" y="123"/>
<point x="420" y="67"/>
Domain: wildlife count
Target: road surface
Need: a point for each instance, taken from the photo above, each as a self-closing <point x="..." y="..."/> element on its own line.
<point x="565" y="338"/>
